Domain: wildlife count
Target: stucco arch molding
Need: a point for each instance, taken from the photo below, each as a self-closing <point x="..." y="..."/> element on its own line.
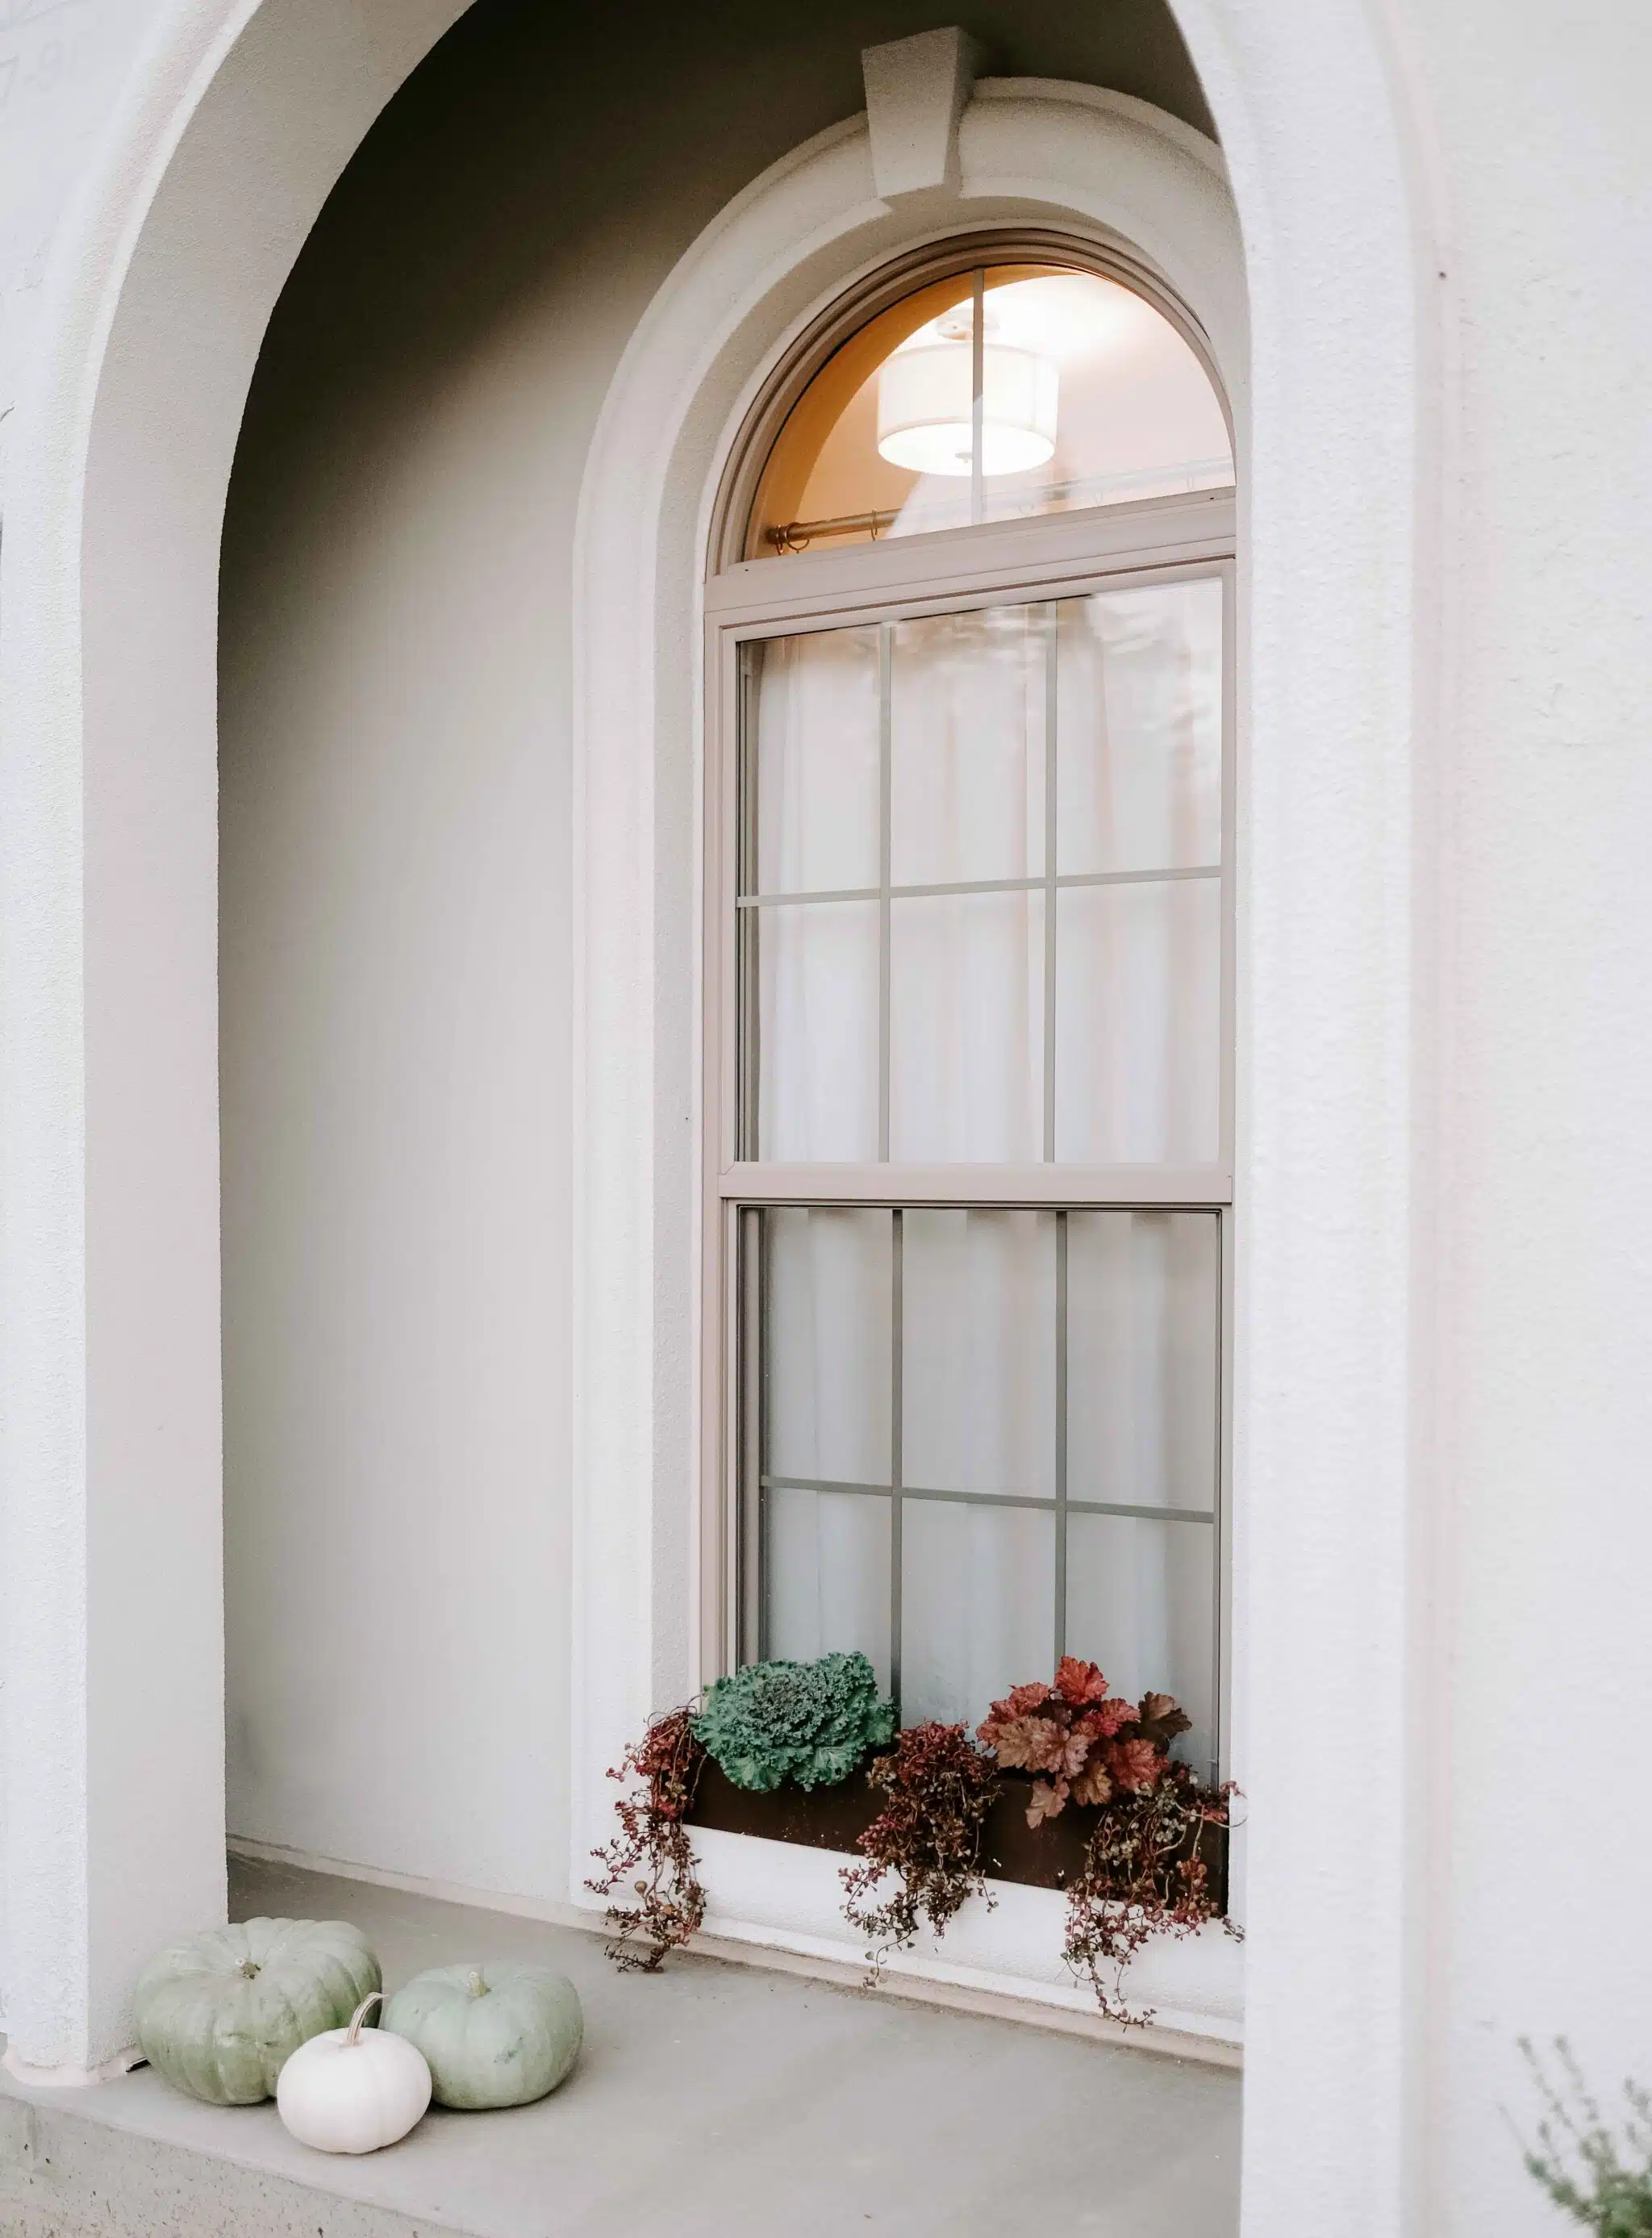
<point x="1104" y="168"/>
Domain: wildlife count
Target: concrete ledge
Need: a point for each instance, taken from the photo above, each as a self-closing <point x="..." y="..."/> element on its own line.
<point x="711" y="2101"/>
<point x="64" y="2173"/>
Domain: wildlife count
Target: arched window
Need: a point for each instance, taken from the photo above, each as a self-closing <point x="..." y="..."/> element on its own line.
<point x="969" y="837"/>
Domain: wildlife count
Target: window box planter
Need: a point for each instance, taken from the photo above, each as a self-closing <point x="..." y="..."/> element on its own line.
<point x="1048" y="1856"/>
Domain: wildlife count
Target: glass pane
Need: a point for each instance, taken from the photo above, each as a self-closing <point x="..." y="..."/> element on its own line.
<point x="1142" y="1301"/>
<point x="827" y="1354"/>
<point x="977" y="1607"/>
<point x="966" y="1027"/>
<point x="1139" y="728"/>
<point x="1090" y="396"/>
<point x="1138" y="1022"/>
<point x="968" y="744"/>
<point x="816" y="703"/>
<point x="827" y="1556"/>
<point x="817" y="1030"/>
<point x="978" y="1352"/>
<point x="1140" y="1602"/>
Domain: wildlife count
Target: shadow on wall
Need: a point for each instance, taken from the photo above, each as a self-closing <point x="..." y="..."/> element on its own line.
<point x="395" y="679"/>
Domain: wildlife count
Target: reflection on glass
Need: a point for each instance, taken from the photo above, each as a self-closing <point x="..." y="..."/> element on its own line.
<point x="1137" y="1024"/>
<point x="1139" y="728"/>
<point x="968" y="746"/>
<point x="978" y="1355"/>
<point x="967" y="1027"/>
<point x="828" y="1286"/>
<point x="1090" y="396"/>
<point x="816" y="761"/>
<point x="1143" y="1293"/>
<point x="827" y="1558"/>
<point x="817" y="1030"/>
<point x="977" y="1605"/>
<point x="1139" y="1602"/>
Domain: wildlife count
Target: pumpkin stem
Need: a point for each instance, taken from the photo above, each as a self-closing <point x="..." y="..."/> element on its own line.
<point x="476" y="1985"/>
<point x="249" y="1968"/>
<point x="354" y="2033"/>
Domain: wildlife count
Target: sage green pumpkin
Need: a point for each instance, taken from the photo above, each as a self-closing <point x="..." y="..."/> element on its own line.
<point x="492" y="2036"/>
<point x="221" y="2013"/>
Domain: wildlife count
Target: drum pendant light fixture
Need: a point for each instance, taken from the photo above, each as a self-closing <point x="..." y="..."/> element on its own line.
<point x="926" y="402"/>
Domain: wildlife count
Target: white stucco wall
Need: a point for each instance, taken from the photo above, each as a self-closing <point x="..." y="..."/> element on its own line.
<point x="62" y="64"/>
<point x="1541" y="1687"/>
<point x="394" y="763"/>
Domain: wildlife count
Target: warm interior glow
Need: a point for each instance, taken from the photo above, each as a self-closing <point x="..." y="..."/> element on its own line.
<point x="879" y="443"/>
<point x="925" y="400"/>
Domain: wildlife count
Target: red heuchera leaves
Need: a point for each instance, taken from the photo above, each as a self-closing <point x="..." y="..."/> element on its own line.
<point x="1096" y="1745"/>
<point x="1046" y="1801"/>
<point x="1093" y="1784"/>
<point x="1163" y="1717"/>
<point x="1135" y="1764"/>
<point x="1027" y="1744"/>
<point x="1110" y="1717"/>
<point x="1079" y="1683"/>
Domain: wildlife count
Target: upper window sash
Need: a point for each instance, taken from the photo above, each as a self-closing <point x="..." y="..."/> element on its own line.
<point x="1168" y="539"/>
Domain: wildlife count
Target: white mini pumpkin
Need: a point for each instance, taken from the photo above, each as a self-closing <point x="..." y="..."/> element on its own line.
<point x="347" y="2092"/>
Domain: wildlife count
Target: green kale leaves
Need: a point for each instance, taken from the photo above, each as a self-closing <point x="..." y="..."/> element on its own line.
<point x="809" y="1723"/>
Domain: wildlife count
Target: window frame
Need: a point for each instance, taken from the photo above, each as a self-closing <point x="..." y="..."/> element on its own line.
<point x="1165" y="539"/>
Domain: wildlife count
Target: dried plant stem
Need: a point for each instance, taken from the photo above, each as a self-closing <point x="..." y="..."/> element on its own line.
<point x="651" y="1857"/>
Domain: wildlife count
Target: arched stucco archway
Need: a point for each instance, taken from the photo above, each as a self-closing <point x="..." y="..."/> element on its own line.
<point x="241" y="121"/>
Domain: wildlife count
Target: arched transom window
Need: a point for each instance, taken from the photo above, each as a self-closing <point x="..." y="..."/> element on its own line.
<point x="969" y="832"/>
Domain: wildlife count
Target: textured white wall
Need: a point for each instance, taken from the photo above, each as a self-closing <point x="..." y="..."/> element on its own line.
<point x="63" y="63"/>
<point x="1540" y="1697"/>
<point x="62" y="66"/>
<point x="395" y="763"/>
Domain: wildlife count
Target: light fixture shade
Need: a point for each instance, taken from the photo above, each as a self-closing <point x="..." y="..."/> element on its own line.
<point x="925" y="419"/>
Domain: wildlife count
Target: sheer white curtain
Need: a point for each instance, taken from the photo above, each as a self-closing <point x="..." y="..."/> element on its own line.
<point x="921" y="1349"/>
<point x="817" y="773"/>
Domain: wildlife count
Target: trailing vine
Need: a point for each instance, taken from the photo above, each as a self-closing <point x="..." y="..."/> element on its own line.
<point x="938" y="1788"/>
<point x="1144" y="1875"/>
<point x="650" y="1856"/>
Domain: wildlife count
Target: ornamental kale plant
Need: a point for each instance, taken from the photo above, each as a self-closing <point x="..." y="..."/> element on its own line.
<point x="809" y="1722"/>
<point x="1603" y="2179"/>
<point x="1090" y="1744"/>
